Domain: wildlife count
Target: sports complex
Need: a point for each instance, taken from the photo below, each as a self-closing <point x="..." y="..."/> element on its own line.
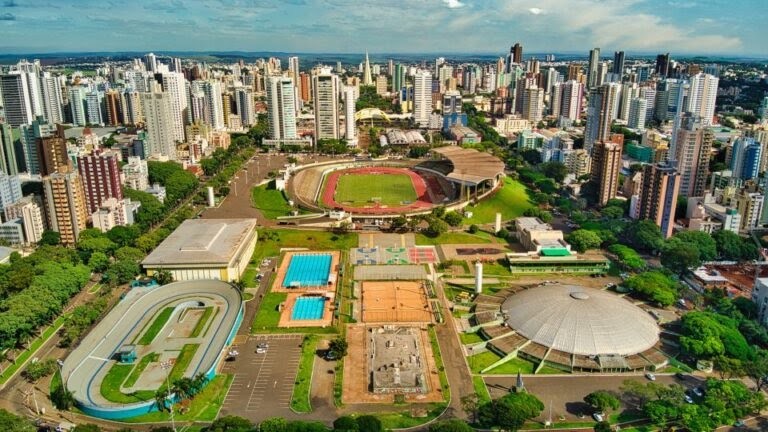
<point x="154" y="336"/>
<point x="389" y="188"/>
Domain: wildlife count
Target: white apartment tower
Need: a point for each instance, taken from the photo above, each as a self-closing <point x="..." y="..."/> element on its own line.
<point x="159" y="120"/>
<point x="422" y="97"/>
<point x="637" y="109"/>
<point x="326" y="99"/>
<point x="280" y="105"/>
<point x="702" y="95"/>
<point x="175" y="85"/>
<point x="349" y="116"/>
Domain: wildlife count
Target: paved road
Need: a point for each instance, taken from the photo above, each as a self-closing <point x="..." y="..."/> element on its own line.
<point x="566" y="392"/>
<point x="263" y="383"/>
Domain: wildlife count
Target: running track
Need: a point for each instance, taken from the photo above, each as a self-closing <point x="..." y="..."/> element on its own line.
<point x="420" y="186"/>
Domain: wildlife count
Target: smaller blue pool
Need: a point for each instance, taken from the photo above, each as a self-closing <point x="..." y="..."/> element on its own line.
<point x="308" y="308"/>
<point x="308" y="270"/>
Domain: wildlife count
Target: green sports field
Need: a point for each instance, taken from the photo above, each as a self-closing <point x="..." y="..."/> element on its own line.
<point x="357" y="190"/>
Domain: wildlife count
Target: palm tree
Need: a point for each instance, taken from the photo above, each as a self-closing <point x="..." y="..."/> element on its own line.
<point x="161" y="398"/>
<point x="184" y="388"/>
<point x="62" y="398"/>
<point x="198" y="382"/>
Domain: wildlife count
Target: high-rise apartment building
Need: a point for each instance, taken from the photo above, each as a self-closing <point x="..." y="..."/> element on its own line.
<point x="10" y="191"/>
<point x="566" y="99"/>
<point x="702" y="96"/>
<point x="100" y="174"/>
<point x="381" y="84"/>
<point x="132" y="110"/>
<point x="150" y="62"/>
<point x="662" y="65"/>
<point x="422" y="97"/>
<point x="114" y="108"/>
<point x="159" y="119"/>
<point x="50" y="91"/>
<point x="280" y="105"/>
<point x="175" y="85"/>
<point x="52" y="155"/>
<point x="214" y="111"/>
<point x="306" y="86"/>
<point x="637" y="110"/>
<point x="606" y="166"/>
<point x="293" y="72"/>
<point x="618" y="63"/>
<point x="325" y="86"/>
<point x="691" y="152"/>
<point x="533" y="104"/>
<point x="750" y="207"/>
<point x="592" y="68"/>
<point x="14" y="89"/>
<point x="658" y="196"/>
<point x="601" y="111"/>
<point x="9" y="164"/>
<point x="746" y="157"/>
<point x="245" y="109"/>
<point x="77" y="106"/>
<point x="65" y="205"/>
<point x="30" y="211"/>
<point x="30" y="137"/>
<point x="350" y="128"/>
<point x="136" y="173"/>
<point x="93" y="107"/>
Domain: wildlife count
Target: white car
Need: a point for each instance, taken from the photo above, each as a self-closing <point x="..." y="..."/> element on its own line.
<point x="688" y="399"/>
<point x="261" y="350"/>
<point x="650" y="376"/>
<point x="598" y="416"/>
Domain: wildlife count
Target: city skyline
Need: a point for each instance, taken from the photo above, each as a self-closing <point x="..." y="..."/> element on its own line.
<point x="684" y="27"/>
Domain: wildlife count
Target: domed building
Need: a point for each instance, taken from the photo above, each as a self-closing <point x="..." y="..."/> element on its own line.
<point x="571" y="328"/>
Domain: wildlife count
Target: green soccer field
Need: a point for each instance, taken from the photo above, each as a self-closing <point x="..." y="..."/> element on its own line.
<point x="357" y="190"/>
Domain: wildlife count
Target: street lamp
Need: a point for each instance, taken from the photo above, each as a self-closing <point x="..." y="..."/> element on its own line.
<point x="167" y="365"/>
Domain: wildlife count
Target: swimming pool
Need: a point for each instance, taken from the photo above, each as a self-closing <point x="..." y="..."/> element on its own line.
<point x="308" y="270"/>
<point x="308" y="308"/>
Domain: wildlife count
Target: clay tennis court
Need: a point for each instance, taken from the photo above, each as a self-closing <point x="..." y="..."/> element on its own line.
<point x="395" y="301"/>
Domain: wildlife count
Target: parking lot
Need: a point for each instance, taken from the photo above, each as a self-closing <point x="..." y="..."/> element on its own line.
<point x="263" y="382"/>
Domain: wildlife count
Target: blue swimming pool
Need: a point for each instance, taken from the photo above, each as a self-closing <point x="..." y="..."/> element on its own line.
<point x="308" y="270"/>
<point x="308" y="308"/>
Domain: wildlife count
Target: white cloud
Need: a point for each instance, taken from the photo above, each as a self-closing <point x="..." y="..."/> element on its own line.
<point x="453" y="4"/>
<point x="536" y="11"/>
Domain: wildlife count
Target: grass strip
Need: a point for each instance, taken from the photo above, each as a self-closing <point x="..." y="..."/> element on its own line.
<point x="303" y="384"/>
<point x="446" y="389"/>
<point x="157" y="324"/>
<point x="202" y="322"/>
<point x="139" y="369"/>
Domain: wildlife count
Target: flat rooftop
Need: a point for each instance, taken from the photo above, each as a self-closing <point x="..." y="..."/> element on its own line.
<point x="202" y="241"/>
<point x="532" y="224"/>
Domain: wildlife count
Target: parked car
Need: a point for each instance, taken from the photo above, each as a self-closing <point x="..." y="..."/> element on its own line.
<point x="330" y="356"/>
<point x="739" y="423"/>
<point x="650" y="376"/>
<point x="261" y="350"/>
<point x="681" y="376"/>
<point x="698" y="391"/>
<point x="688" y="399"/>
<point x="598" y="416"/>
<point x="262" y="345"/>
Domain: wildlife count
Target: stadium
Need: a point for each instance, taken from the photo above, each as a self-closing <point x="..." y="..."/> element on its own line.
<point x="570" y="328"/>
<point x="152" y="337"/>
<point x="389" y="188"/>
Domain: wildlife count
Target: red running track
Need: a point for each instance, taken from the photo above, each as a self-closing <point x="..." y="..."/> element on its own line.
<point x="419" y="185"/>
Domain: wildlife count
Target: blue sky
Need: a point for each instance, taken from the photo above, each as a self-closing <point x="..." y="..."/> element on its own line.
<point x="387" y="26"/>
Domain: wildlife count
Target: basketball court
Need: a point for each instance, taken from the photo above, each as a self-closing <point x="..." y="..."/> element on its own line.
<point x="395" y="301"/>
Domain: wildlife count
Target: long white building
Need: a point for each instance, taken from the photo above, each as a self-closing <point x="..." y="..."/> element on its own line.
<point x="325" y="88"/>
<point x="422" y="97"/>
<point x="159" y="120"/>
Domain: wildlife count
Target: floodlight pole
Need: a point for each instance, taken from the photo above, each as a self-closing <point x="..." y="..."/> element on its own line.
<point x="167" y="366"/>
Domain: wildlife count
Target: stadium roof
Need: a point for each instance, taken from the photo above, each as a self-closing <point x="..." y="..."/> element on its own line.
<point x="202" y="241"/>
<point x="471" y="166"/>
<point x="581" y="320"/>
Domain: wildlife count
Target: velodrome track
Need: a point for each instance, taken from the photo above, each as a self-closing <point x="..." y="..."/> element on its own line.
<point x="87" y="365"/>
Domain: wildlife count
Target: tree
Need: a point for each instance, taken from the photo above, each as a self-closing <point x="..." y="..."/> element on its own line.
<point x="338" y="347"/>
<point x="643" y="235"/>
<point x="123" y="235"/>
<point x="231" y="423"/>
<point x="161" y="399"/>
<point x="127" y="253"/>
<point x="531" y="156"/>
<point x="732" y="247"/>
<point x="758" y="370"/>
<point x="510" y="411"/>
<point x="435" y="227"/>
<point x="583" y="239"/>
<point x="51" y="238"/>
<point x="453" y="425"/>
<point x="554" y="170"/>
<point x="628" y="257"/>
<point x="473" y="229"/>
<point x="40" y="369"/>
<point x="98" y="262"/>
<point x="612" y="212"/>
<point x="163" y="276"/>
<point x="14" y="423"/>
<point x="121" y="272"/>
<point x="470" y="403"/>
<point x="273" y="424"/>
<point x="62" y="398"/>
<point x="728" y="367"/>
<point x="345" y="424"/>
<point x="603" y="400"/>
<point x="369" y="423"/>
<point x="399" y="222"/>
<point x="453" y="219"/>
<point x="654" y="286"/>
<point x="680" y="257"/>
<point x="707" y="335"/>
<point x="603" y="426"/>
<point x="706" y="245"/>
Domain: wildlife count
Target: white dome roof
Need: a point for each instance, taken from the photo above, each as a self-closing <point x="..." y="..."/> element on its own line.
<point x="581" y="320"/>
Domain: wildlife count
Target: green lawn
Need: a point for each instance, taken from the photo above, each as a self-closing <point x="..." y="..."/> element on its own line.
<point x="114" y="379"/>
<point x="136" y="372"/>
<point x="182" y="361"/>
<point x="358" y="190"/>
<point x="511" y="201"/>
<point x="268" y="316"/>
<point x="478" y="362"/>
<point x="157" y="324"/>
<point x="200" y="326"/>
<point x="270" y="201"/>
<point x="303" y="385"/>
<point x="480" y="389"/>
<point x="404" y="419"/>
<point x="470" y="338"/>
<point x="496" y="269"/>
<point x="270" y="241"/>
<point x="457" y="237"/>
<point x="439" y="364"/>
<point x="204" y="407"/>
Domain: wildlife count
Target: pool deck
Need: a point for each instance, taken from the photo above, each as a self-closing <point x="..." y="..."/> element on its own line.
<point x="285" y="315"/>
<point x="282" y="271"/>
